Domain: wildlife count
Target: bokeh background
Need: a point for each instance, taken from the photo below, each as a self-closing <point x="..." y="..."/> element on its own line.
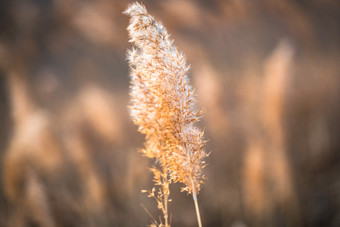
<point x="267" y="73"/>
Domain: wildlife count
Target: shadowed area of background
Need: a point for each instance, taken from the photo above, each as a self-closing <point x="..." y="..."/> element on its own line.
<point x="267" y="73"/>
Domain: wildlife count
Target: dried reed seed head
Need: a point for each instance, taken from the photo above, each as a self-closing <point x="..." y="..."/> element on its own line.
<point x="163" y="104"/>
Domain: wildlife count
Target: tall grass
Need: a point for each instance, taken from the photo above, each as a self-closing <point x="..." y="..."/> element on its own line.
<point x="163" y="105"/>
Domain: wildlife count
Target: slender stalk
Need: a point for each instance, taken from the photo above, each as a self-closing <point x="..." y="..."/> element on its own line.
<point x="166" y="193"/>
<point x="166" y="210"/>
<point x="194" y="196"/>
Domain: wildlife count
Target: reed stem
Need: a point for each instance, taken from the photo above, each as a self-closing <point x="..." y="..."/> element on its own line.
<point x="166" y="193"/>
<point x="194" y="196"/>
<point x="166" y="210"/>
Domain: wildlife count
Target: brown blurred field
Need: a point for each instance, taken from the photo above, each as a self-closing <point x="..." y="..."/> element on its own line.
<point x="267" y="73"/>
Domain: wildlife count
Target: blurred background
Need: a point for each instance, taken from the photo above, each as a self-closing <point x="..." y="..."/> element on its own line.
<point x="267" y="73"/>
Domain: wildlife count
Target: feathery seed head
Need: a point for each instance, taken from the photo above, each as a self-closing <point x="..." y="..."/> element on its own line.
<point x="163" y="103"/>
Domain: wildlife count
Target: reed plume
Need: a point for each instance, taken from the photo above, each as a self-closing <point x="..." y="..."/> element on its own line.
<point x="163" y="105"/>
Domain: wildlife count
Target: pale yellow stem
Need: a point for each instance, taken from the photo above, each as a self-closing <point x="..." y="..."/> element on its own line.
<point x="194" y="196"/>
<point x="166" y="195"/>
